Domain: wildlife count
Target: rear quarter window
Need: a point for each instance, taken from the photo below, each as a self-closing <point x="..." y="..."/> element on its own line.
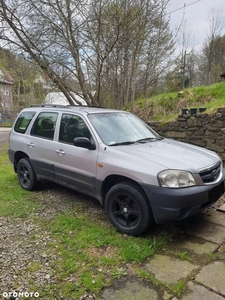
<point x="23" y="121"/>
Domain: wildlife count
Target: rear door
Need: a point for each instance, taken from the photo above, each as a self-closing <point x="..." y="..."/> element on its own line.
<point x="39" y="144"/>
<point x="74" y="165"/>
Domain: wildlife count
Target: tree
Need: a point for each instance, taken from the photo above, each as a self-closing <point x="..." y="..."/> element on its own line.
<point x="211" y="60"/>
<point x="24" y="73"/>
<point x="212" y="56"/>
<point x="182" y="72"/>
<point x="156" y="58"/>
<point x="107" y="46"/>
<point x="132" y="48"/>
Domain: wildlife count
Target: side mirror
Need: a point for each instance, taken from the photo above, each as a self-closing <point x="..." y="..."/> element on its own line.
<point x="84" y="142"/>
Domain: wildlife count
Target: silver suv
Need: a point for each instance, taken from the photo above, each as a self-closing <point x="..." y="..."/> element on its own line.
<point x="138" y="176"/>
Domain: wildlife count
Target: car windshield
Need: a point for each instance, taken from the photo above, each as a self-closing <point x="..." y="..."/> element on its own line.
<point x="121" y="128"/>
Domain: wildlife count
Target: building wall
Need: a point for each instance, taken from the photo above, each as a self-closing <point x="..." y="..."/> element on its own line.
<point x="6" y="96"/>
<point x="204" y="130"/>
<point x="6" y="91"/>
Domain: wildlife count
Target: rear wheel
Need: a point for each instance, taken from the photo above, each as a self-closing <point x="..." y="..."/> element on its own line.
<point x="26" y="175"/>
<point x="128" y="208"/>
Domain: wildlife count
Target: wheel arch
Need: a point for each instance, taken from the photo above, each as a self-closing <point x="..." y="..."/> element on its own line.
<point x="128" y="208"/>
<point x="17" y="157"/>
<point x="114" y="179"/>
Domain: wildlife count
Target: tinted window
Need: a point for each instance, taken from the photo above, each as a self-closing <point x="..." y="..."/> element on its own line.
<point x="72" y="126"/>
<point x="23" y="121"/>
<point x="44" y="125"/>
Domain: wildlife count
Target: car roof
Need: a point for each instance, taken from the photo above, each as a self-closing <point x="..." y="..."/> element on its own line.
<point x="73" y="108"/>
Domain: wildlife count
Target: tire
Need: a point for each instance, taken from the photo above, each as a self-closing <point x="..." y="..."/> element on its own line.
<point x="26" y="175"/>
<point x="128" y="208"/>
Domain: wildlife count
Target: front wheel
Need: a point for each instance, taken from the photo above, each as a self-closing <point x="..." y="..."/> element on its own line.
<point x="26" y="175"/>
<point x="128" y="208"/>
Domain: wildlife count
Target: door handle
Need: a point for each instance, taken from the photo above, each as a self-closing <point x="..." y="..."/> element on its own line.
<point x="31" y="145"/>
<point x="60" y="152"/>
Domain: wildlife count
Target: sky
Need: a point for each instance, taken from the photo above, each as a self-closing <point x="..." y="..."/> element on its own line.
<point x="196" y="16"/>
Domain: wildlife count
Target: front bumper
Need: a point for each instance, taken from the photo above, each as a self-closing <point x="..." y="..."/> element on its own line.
<point x="176" y="204"/>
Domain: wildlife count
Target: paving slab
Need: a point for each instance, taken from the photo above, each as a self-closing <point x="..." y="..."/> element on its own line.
<point x="213" y="276"/>
<point x="216" y="217"/>
<point x="192" y="244"/>
<point x="199" y="292"/>
<point x="130" y="290"/>
<point x="208" y="231"/>
<point x="221" y="208"/>
<point x="168" y="269"/>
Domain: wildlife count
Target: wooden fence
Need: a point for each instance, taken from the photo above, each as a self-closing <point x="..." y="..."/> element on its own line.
<point x="8" y="117"/>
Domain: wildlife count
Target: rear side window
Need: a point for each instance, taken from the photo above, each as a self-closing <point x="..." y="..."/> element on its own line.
<point x="44" y="125"/>
<point x="23" y="121"/>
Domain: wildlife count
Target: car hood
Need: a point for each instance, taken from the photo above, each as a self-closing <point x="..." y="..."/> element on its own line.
<point x="173" y="154"/>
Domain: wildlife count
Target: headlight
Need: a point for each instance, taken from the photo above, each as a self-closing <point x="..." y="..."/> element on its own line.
<point x="176" y="179"/>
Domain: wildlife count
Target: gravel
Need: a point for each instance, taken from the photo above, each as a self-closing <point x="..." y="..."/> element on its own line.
<point x="24" y="246"/>
<point x="19" y="252"/>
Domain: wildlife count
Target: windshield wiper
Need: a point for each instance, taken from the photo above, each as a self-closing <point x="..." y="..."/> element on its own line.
<point x="149" y="139"/>
<point x="144" y="140"/>
<point x="123" y="143"/>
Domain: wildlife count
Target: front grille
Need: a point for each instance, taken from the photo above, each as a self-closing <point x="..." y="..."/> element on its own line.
<point x="210" y="174"/>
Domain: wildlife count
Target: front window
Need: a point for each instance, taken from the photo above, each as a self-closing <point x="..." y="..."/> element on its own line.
<point x="72" y="126"/>
<point x="118" y="128"/>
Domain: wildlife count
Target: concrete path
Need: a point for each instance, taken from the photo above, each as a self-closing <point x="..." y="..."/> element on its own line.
<point x="198" y="273"/>
<point x="5" y="129"/>
<point x="4" y="135"/>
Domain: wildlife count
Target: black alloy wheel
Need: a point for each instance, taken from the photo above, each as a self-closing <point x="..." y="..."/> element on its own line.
<point x="26" y="175"/>
<point x="128" y="209"/>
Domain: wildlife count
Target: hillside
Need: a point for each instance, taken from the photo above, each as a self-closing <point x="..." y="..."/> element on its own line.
<point x="166" y="107"/>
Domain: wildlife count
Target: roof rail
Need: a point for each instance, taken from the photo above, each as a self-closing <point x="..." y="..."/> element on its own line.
<point x="63" y="106"/>
<point x="49" y="105"/>
<point x="94" y="106"/>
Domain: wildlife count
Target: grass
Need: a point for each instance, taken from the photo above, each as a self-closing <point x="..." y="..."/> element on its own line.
<point x="94" y="254"/>
<point x="15" y="201"/>
<point x="89" y="253"/>
<point x="166" y="107"/>
<point x="90" y="233"/>
<point x="183" y="255"/>
<point x="178" y="288"/>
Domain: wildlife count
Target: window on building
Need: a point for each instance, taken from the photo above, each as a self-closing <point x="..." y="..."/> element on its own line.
<point x="6" y="92"/>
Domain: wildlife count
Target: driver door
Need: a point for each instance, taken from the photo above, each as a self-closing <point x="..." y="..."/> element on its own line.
<point x="74" y="165"/>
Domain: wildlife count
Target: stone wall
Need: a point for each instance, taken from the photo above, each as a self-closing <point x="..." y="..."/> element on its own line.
<point x="204" y="130"/>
